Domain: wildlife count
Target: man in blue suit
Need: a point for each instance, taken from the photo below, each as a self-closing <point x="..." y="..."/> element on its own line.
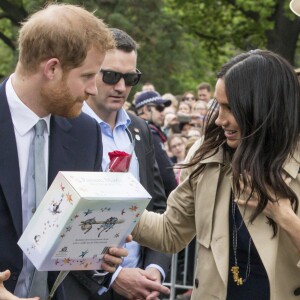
<point x="61" y="50"/>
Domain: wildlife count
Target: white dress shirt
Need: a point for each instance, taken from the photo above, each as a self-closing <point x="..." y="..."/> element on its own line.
<point x="24" y="120"/>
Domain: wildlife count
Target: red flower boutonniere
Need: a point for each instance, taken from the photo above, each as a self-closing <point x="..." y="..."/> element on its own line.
<point x="119" y="161"/>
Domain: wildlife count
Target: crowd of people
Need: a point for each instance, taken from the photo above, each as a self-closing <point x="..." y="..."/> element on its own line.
<point x="180" y="120"/>
<point x="222" y="170"/>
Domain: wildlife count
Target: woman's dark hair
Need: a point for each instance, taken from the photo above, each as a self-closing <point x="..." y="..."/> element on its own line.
<point x="263" y="93"/>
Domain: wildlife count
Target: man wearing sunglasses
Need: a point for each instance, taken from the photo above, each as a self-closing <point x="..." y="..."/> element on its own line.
<point x="140" y="275"/>
<point x="150" y="106"/>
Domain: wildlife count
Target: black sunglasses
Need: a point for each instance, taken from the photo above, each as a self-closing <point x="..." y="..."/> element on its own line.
<point x="159" y="108"/>
<point x="112" y="77"/>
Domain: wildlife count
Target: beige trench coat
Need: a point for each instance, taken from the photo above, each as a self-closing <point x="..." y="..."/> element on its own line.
<point x="204" y="210"/>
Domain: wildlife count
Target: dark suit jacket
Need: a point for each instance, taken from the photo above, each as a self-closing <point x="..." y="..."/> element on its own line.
<point x="164" y="163"/>
<point x="151" y="180"/>
<point x="74" y="145"/>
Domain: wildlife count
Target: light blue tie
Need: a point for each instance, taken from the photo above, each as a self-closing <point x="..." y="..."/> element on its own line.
<point x="38" y="286"/>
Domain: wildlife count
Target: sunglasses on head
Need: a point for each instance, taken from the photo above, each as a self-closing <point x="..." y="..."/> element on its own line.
<point x="112" y="77"/>
<point x="159" y="107"/>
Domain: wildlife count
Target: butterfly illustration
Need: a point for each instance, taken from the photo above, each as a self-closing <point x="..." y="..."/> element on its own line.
<point x="89" y="211"/>
<point x="133" y="208"/>
<point x="69" y="198"/>
<point x="83" y="253"/>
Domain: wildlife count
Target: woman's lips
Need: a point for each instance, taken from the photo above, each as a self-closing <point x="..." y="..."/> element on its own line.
<point x="230" y="134"/>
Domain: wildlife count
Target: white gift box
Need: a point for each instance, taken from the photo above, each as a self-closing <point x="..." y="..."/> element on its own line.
<point x="80" y="217"/>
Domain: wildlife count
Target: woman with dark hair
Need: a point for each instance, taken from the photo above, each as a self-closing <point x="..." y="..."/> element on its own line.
<point x="241" y="191"/>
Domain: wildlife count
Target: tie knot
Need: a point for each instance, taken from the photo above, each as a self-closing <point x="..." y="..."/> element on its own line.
<point x="40" y="127"/>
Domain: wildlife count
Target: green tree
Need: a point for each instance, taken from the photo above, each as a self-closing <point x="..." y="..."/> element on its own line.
<point x="181" y="42"/>
<point x="168" y="56"/>
<point x="12" y="13"/>
<point x="242" y="24"/>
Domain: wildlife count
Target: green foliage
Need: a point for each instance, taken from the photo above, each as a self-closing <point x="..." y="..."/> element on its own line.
<point x="218" y="22"/>
<point x="182" y="42"/>
<point x="240" y="24"/>
<point x="6" y="53"/>
<point x="167" y="55"/>
<point x="6" y="59"/>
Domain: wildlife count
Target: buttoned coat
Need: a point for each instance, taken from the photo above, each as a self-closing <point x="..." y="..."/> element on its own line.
<point x="202" y="209"/>
<point x="74" y="145"/>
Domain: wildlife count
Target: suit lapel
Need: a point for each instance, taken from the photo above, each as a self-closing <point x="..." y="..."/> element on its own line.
<point x="139" y="150"/>
<point x="9" y="163"/>
<point x="62" y="146"/>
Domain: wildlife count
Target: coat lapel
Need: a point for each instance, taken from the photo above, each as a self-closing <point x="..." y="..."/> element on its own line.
<point x="62" y="147"/>
<point x="266" y="246"/>
<point x="220" y="241"/>
<point x="139" y="150"/>
<point x="215" y="198"/>
<point x="9" y="163"/>
<point x="262" y="233"/>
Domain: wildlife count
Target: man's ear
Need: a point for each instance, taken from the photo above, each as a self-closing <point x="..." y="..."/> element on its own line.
<point x="52" y="68"/>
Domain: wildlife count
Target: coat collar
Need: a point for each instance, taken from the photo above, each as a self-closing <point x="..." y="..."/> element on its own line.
<point x="136" y="130"/>
<point x="62" y="146"/>
<point x="9" y="164"/>
<point x="292" y="164"/>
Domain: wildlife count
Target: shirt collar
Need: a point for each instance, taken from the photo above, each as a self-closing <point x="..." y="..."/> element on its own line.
<point x="122" y="116"/>
<point x="23" y="117"/>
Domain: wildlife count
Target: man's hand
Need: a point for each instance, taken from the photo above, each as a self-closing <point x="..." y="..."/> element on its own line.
<point x="135" y="283"/>
<point x="4" y="293"/>
<point x="112" y="259"/>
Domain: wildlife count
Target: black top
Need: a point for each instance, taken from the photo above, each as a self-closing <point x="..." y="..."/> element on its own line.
<point x="257" y="285"/>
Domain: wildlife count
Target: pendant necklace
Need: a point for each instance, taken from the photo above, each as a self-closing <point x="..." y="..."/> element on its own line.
<point x="236" y="269"/>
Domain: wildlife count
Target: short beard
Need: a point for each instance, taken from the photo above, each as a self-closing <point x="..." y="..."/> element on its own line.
<point x="59" y="101"/>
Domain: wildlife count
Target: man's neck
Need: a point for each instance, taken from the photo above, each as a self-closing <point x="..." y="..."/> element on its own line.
<point x="109" y="117"/>
<point x="28" y="89"/>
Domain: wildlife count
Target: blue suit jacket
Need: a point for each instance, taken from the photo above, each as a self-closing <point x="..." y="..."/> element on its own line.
<point x="74" y="145"/>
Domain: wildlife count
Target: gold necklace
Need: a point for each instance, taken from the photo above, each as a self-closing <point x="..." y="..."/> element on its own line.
<point x="236" y="269"/>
